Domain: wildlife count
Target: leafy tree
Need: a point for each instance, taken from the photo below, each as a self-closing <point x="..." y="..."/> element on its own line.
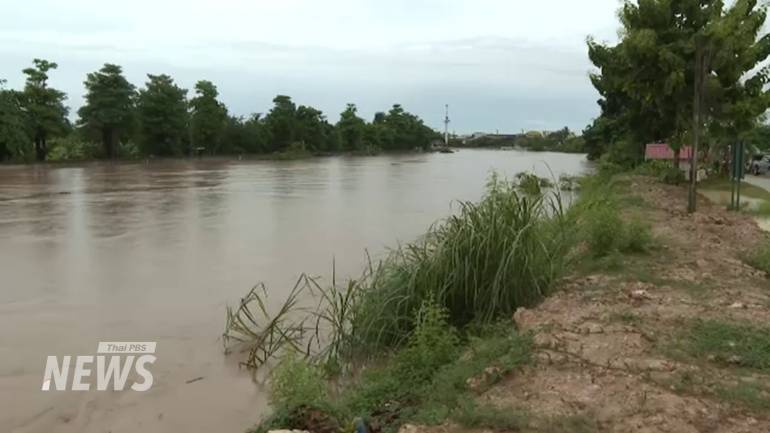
<point x="246" y="135"/>
<point x="208" y="119"/>
<point x="351" y="129"/>
<point x="647" y="80"/>
<point x="46" y="113"/>
<point x="314" y="130"/>
<point x="281" y="122"/>
<point x="163" y="117"/>
<point x="109" y="106"/>
<point x="15" y="141"/>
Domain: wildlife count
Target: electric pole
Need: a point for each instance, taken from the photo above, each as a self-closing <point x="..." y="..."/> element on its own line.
<point x="446" y="125"/>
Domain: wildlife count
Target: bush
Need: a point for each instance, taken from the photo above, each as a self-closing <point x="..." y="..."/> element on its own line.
<point x="604" y="230"/>
<point x="638" y="238"/>
<point x="760" y="259"/>
<point x="295" y="382"/>
<point x="672" y="176"/>
<point x="72" y="148"/>
<point x="654" y="168"/>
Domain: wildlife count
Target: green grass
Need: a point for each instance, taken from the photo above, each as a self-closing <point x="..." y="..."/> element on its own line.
<point x="730" y="344"/>
<point x="724" y="185"/>
<point x="751" y="395"/>
<point x="760" y="258"/>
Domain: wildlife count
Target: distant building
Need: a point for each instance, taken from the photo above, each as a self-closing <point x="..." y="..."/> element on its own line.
<point x="662" y="151"/>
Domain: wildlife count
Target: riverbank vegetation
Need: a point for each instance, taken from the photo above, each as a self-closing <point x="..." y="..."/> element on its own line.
<point x="120" y="121"/>
<point x="425" y="328"/>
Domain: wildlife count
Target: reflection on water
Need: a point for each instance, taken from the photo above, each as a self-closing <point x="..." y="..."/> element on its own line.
<point x="154" y="252"/>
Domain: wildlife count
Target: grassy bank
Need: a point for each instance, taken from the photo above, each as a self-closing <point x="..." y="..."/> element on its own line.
<point x="422" y="332"/>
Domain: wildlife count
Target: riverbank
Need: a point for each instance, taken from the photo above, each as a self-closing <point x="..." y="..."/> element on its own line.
<point x="659" y="333"/>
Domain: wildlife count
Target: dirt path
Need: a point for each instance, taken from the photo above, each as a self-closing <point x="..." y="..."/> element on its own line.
<point x="610" y="346"/>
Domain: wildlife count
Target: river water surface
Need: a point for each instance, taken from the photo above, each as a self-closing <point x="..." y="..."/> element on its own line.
<point x="155" y="251"/>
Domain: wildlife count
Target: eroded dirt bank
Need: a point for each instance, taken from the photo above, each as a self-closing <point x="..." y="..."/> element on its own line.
<point x="614" y="348"/>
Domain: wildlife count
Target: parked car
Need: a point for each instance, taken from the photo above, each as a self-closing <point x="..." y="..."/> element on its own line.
<point x="759" y="164"/>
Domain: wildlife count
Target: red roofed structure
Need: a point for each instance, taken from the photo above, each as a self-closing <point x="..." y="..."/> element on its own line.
<point x="661" y="151"/>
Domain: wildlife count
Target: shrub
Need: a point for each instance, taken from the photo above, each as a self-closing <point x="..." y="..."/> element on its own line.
<point x="760" y="259"/>
<point x="604" y="230"/>
<point x="638" y="237"/>
<point x="737" y="344"/>
<point x="296" y="382"/>
<point x="672" y="176"/>
<point x="72" y="148"/>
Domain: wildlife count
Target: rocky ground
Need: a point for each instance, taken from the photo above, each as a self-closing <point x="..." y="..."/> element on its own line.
<point x="609" y="346"/>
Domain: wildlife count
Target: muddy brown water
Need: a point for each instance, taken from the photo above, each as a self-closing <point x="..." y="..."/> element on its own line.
<point x="155" y="251"/>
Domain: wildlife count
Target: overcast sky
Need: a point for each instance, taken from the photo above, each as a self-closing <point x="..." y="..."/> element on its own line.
<point x="501" y="64"/>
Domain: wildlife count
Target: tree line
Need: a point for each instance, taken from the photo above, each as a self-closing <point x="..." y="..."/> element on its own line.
<point x="670" y="51"/>
<point x="119" y="120"/>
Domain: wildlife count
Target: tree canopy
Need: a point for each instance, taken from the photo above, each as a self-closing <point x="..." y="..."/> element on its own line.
<point x="46" y="114"/>
<point x="647" y="81"/>
<point x="208" y="118"/>
<point x="163" y="117"/>
<point x="109" y="106"/>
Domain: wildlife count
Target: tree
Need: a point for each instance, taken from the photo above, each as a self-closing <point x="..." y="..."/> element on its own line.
<point x="647" y="81"/>
<point x="313" y="130"/>
<point x="351" y="129"/>
<point x="280" y="121"/>
<point x="44" y="106"/>
<point x="162" y="112"/>
<point x="208" y="119"/>
<point x="15" y="142"/>
<point x="109" y="106"/>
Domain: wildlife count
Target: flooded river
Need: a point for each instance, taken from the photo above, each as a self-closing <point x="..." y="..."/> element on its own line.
<point x="154" y="252"/>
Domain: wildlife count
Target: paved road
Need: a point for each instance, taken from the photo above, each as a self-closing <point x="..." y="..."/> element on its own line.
<point x="760" y="181"/>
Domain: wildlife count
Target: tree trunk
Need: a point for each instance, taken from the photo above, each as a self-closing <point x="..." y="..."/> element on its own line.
<point x="677" y="158"/>
<point x="108" y="141"/>
<point x="40" y="148"/>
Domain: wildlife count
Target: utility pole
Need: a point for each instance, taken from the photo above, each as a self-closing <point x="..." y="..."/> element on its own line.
<point x="446" y="125"/>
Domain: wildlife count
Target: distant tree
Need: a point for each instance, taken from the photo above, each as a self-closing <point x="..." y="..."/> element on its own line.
<point x="281" y="123"/>
<point x="15" y="141"/>
<point x="109" y="106"/>
<point x="44" y="106"/>
<point x="314" y="130"/>
<point x="208" y="119"/>
<point x="163" y="117"/>
<point x="351" y="129"/>
<point x="406" y="131"/>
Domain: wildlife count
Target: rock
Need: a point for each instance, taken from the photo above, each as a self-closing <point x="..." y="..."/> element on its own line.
<point x="640" y="295"/>
<point x="735" y="359"/>
<point x="738" y="305"/>
<point x="288" y="431"/>
<point x="702" y="264"/>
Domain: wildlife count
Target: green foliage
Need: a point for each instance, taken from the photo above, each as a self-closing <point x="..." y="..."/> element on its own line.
<point x="208" y="118"/>
<point x="46" y="114"/>
<point x="73" y="148"/>
<point x="485" y="416"/>
<point x="351" y="129"/>
<point x="654" y="168"/>
<point x="760" y="258"/>
<point x="15" y="140"/>
<point x="672" y="176"/>
<point x="481" y="264"/>
<point x="638" y="237"/>
<point x="295" y="382"/>
<point x="727" y="343"/>
<point x="109" y="106"/>
<point x="163" y="117"/>
<point x="647" y="80"/>
<point x="604" y="230"/>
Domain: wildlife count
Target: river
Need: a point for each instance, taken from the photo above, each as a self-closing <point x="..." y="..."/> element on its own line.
<point x="155" y="251"/>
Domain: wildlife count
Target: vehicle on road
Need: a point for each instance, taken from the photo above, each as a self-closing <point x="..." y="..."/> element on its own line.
<point x="759" y="164"/>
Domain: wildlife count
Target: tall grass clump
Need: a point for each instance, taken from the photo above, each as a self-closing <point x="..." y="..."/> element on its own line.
<point x="481" y="264"/>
